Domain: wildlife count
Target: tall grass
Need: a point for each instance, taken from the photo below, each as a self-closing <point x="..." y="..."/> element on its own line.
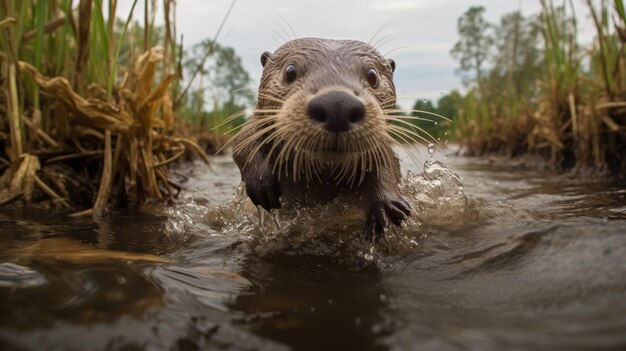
<point x="87" y="103"/>
<point x="573" y="110"/>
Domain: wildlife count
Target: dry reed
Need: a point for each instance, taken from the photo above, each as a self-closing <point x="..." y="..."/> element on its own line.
<point x="87" y="105"/>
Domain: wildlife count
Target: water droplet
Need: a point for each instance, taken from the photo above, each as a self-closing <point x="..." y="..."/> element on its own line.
<point x="431" y="150"/>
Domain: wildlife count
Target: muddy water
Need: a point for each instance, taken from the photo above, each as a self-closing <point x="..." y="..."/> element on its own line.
<point x="496" y="258"/>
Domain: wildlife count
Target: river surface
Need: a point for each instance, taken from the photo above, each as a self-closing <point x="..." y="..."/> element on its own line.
<point x="495" y="258"/>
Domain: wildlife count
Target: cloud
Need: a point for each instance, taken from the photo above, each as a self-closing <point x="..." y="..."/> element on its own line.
<point x="424" y="29"/>
<point x="394" y="5"/>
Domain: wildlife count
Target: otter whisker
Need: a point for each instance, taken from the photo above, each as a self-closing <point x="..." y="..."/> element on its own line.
<point x="387" y="101"/>
<point x="247" y="126"/>
<point x="379" y="40"/>
<point x="270" y="154"/>
<point x="232" y="130"/>
<point x="409" y="142"/>
<point x="396" y="49"/>
<point x="275" y="134"/>
<point x="311" y="143"/>
<point x="236" y="90"/>
<point x="409" y="133"/>
<point x="363" y="160"/>
<point x="378" y="31"/>
<point x="290" y="155"/>
<point x="407" y="139"/>
<point x="270" y="98"/>
<point x="384" y="43"/>
<point x="392" y="117"/>
<point x="232" y="117"/>
<point x="284" y="30"/>
<point x="306" y="160"/>
<point x="408" y="151"/>
<point x="416" y="128"/>
<point x="298" y="158"/>
<point x="288" y="25"/>
<point x="381" y="158"/>
<point x="371" y="145"/>
<point x="278" y="136"/>
<point x="252" y="138"/>
<point x="282" y="37"/>
<point x="277" y="169"/>
<point x="260" y="120"/>
<point x="224" y="146"/>
<point x="339" y="176"/>
<point x="418" y="111"/>
<point x="354" y="161"/>
<point x="267" y="110"/>
<point x="274" y="39"/>
<point x="281" y="158"/>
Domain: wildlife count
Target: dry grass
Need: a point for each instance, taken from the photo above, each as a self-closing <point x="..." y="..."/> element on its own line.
<point x="575" y="117"/>
<point x="86" y="107"/>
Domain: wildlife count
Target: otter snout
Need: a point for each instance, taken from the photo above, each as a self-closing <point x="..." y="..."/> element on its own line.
<point x="337" y="111"/>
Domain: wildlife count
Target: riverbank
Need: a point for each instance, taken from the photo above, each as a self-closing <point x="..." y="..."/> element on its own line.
<point x="551" y="279"/>
<point x="538" y="91"/>
<point x="92" y="113"/>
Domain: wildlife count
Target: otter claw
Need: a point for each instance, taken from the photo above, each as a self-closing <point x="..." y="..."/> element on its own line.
<point x="264" y="192"/>
<point x="383" y="212"/>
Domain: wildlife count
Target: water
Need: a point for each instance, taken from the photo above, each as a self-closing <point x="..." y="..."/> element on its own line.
<point x="497" y="258"/>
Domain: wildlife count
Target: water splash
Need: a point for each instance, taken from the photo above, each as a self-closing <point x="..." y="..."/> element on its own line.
<point x="436" y="195"/>
<point x="431" y="150"/>
<point x="15" y="276"/>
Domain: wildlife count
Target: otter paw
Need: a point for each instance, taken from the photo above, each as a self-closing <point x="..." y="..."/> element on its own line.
<point x="264" y="192"/>
<point x="384" y="211"/>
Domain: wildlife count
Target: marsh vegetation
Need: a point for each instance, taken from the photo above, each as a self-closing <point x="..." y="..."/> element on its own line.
<point x="102" y="112"/>
<point x="94" y="108"/>
<point x="532" y="87"/>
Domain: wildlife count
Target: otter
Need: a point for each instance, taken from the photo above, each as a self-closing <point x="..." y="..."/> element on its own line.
<point x="319" y="130"/>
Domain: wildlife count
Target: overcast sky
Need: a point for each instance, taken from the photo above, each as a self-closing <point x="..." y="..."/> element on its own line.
<point x="424" y="29"/>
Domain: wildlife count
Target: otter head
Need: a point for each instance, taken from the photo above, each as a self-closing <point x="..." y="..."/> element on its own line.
<point x="321" y="105"/>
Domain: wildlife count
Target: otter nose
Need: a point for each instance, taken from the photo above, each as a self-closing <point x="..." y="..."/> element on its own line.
<point x="336" y="110"/>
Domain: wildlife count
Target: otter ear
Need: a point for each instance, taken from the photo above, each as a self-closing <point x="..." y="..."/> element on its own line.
<point x="264" y="57"/>
<point x="393" y="65"/>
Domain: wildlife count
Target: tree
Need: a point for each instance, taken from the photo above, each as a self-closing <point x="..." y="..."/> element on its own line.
<point x="430" y="124"/>
<point x="448" y="105"/>
<point x="474" y="45"/>
<point x="424" y="105"/>
<point x="519" y="56"/>
<point x="223" y="73"/>
<point x="222" y="83"/>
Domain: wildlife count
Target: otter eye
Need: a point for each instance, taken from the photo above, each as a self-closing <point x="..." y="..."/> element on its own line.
<point x="291" y="73"/>
<point x="372" y="77"/>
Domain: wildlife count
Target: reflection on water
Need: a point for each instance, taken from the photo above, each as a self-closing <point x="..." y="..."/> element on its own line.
<point x="498" y="258"/>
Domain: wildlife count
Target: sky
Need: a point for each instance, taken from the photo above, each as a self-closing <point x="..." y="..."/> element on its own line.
<point x="421" y="32"/>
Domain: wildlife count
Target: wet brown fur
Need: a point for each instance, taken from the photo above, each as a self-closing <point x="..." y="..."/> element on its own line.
<point x="286" y="158"/>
